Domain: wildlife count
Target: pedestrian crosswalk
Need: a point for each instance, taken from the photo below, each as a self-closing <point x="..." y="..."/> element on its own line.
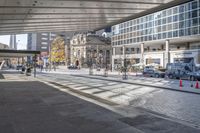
<point x="119" y="93"/>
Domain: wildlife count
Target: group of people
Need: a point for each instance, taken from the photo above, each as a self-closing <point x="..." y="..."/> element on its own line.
<point x="47" y="67"/>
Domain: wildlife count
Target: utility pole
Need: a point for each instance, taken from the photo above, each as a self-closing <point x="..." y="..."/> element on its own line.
<point x="50" y="51"/>
<point x="106" y="69"/>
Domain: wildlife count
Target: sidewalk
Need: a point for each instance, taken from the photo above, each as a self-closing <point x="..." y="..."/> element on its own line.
<point x="14" y="75"/>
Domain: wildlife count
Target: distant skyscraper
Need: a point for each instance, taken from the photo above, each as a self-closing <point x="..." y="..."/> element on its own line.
<point x="41" y="41"/>
<point x="13" y="43"/>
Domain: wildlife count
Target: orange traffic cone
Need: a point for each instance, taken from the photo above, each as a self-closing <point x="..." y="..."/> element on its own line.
<point x="180" y="83"/>
<point x="197" y="85"/>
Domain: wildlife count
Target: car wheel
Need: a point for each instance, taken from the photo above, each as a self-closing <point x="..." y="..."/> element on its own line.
<point x="157" y="75"/>
<point x="192" y="78"/>
<point x="170" y="76"/>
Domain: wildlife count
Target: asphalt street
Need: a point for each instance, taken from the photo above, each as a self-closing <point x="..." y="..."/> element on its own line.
<point x="34" y="107"/>
<point x="75" y="104"/>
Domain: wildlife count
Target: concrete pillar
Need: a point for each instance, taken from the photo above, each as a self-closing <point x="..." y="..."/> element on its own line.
<point x="97" y="58"/>
<point x="114" y="51"/>
<point x="167" y="56"/>
<point x="142" y="54"/>
<point x="113" y="57"/>
<point x="123" y="55"/>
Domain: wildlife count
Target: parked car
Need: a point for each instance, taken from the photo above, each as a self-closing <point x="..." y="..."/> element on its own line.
<point x="72" y="67"/>
<point x="153" y="73"/>
<point x="194" y="75"/>
<point x="19" y="67"/>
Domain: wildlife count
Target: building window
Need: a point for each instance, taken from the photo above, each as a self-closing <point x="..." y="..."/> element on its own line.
<point x="181" y="32"/>
<point x="194" y="5"/>
<point x="44" y="43"/>
<point x="175" y="18"/>
<point x="44" y="34"/>
<point x="181" y="16"/>
<point x="169" y="19"/>
<point x="175" y="34"/>
<point x="44" y="38"/>
<point x="194" y="22"/>
<point x="43" y="47"/>
<point x="181" y="8"/>
<point x="187" y="31"/>
<point x="182" y="24"/>
<point x="175" y="10"/>
<point x="194" y="13"/>
<point x="194" y="30"/>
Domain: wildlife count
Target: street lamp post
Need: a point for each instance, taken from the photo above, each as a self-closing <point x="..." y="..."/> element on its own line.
<point x="50" y="51"/>
<point x="106" y="71"/>
<point x="90" y="63"/>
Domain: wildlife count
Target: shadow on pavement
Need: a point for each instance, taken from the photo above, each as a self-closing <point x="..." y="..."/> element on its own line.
<point x="1" y="76"/>
<point x="34" y="107"/>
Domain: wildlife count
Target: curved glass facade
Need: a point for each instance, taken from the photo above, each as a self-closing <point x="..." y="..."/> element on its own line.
<point x="178" y="21"/>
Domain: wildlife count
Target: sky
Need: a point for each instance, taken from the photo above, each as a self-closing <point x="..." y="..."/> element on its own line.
<point x="21" y="40"/>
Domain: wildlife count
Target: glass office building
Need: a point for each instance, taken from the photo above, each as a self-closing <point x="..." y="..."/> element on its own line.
<point x="174" y="30"/>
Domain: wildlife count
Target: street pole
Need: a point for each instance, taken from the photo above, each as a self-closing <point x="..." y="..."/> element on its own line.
<point x="35" y="65"/>
<point x="125" y="67"/>
<point x="106" y="72"/>
<point x="50" y="51"/>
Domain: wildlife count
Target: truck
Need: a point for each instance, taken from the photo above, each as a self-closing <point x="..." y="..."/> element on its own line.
<point x="179" y="70"/>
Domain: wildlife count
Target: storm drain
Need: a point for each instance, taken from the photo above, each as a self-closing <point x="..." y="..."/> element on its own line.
<point x="152" y="124"/>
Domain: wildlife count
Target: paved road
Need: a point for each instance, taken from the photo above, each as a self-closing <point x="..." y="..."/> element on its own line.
<point x="177" y="105"/>
<point x="28" y="106"/>
<point x="33" y="107"/>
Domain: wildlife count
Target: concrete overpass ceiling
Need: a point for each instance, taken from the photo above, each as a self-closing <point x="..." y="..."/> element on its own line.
<point x="22" y="16"/>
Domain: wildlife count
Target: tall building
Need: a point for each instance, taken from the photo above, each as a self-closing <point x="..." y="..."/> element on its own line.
<point x="168" y="36"/>
<point x="40" y="41"/>
<point x="13" y="42"/>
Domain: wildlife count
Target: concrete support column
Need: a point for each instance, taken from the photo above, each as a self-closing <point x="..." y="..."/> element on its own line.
<point x="97" y="61"/>
<point x="114" y="51"/>
<point x="142" y="54"/>
<point x="167" y="56"/>
<point x="123" y="55"/>
<point x="113" y="59"/>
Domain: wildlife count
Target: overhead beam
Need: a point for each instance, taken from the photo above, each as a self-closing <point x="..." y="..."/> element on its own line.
<point x="81" y="13"/>
<point x="71" y="7"/>
<point x="63" y="18"/>
<point x="123" y="1"/>
<point x="48" y="25"/>
<point x="52" y="21"/>
<point x="46" y="30"/>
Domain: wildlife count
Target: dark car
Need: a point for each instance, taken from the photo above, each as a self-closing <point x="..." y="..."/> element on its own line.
<point x="19" y="67"/>
<point x="153" y="73"/>
<point x="194" y="75"/>
<point x="72" y="67"/>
